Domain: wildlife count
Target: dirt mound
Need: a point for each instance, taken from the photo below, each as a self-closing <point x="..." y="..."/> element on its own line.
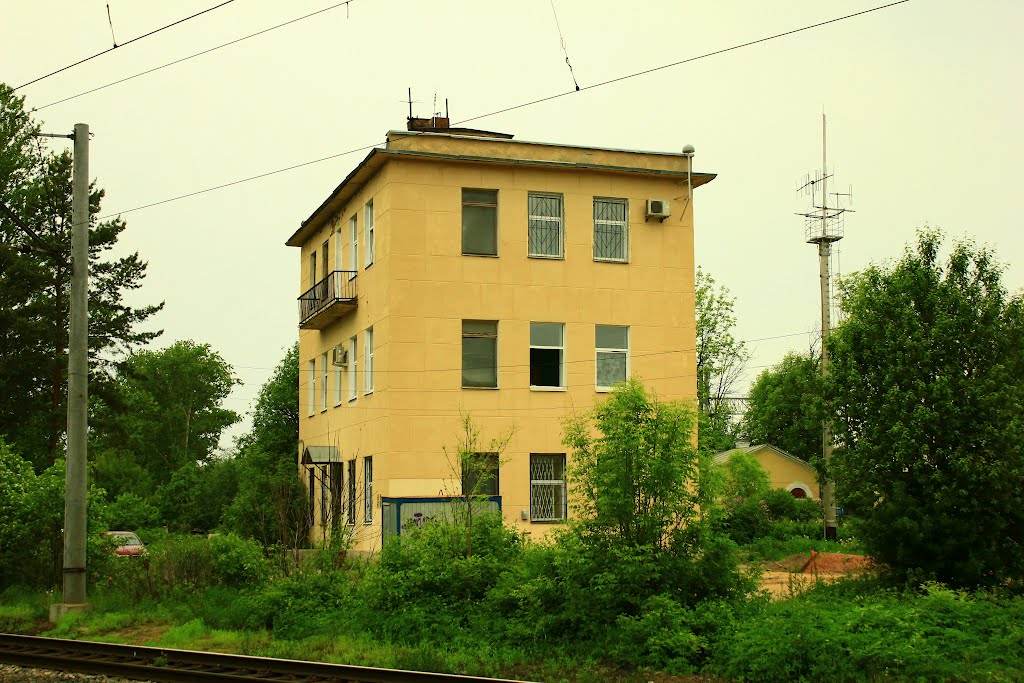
<point x="796" y="573"/>
<point x="821" y="563"/>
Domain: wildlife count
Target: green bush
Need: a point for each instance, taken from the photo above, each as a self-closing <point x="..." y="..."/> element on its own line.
<point x="855" y="631"/>
<point x="130" y="511"/>
<point x="238" y="562"/>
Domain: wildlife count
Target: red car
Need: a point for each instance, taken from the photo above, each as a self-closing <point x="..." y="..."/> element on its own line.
<point x="126" y="543"/>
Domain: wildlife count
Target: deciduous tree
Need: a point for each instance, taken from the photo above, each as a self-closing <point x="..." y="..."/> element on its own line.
<point x="720" y="362"/>
<point x="927" y="386"/>
<point x="785" y="407"/>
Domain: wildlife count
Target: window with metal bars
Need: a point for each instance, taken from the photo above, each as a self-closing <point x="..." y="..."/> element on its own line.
<point x="545" y="225"/>
<point x="611" y="230"/>
<point x="547" y="487"/>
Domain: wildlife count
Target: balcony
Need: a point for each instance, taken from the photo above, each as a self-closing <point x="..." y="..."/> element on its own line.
<point x="328" y="300"/>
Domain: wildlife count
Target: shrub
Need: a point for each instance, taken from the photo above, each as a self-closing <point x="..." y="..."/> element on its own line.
<point x="130" y="511"/>
<point x="238" y="562"/>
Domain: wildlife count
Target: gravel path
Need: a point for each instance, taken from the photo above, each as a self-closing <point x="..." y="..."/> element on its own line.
<point x="17" y="674"/>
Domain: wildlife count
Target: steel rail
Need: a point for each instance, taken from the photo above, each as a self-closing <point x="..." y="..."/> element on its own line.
<point x="162" y="664"/>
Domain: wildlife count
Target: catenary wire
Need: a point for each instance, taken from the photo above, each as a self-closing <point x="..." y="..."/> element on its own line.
<point x="196" y="54"/>
<point x="128" y="42"/>
<point x="507" y="109"/>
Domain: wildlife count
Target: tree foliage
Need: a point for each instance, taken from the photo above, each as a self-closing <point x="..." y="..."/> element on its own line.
<point x="164" y="412"/>
<point x="720" y="362"/>
<point x="631" y="481"/>
<point x="271" y="504"/>
<point x="785" y="407"/>
<point x="35" y="287"/>
<point x="927" y="385"/>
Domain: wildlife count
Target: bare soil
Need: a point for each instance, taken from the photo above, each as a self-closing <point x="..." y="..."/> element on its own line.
<point x="794" y="574"/>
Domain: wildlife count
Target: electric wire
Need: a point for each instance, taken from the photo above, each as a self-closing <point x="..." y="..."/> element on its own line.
<point x="137" y="38"/>
<point x="198" y="54"/>
<point x="508" y="109"/>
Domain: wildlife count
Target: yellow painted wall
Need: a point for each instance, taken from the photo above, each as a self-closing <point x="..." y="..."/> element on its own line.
<point x="785" y="472"/>
<point x="421" y="288"/>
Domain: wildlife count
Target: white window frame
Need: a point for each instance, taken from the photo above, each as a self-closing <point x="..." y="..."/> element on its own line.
<point x="338" y="384"/>
<point x="368" y="361"/>
<point x="324" y="375"/>
<point x="311" y="368"/>
<point x="623" y="225"/>
<point x="368" y="228"/>
<point x="368" y="490"/>
<point x="353" y="385"/>
<point x="561" y="359"/>
<point x="548" y="483"/>
<point x="609" y="351"/>
<point x="558" y="221"/>
<point x="353" y="246"/>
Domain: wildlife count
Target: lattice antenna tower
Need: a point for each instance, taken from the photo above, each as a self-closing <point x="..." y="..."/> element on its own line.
<point x="823" y="226"/>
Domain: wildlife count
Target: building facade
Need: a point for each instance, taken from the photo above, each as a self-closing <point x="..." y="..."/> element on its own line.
<point x="461" y="272"/>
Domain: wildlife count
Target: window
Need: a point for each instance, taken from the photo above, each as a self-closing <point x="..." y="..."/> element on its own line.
<point x="353" y="247"/>
<point x="480" y="474"/>
<point x="312" y="494"/>
<point x="352" y="368"/>
<point x="547" y="355"/>
<point x="312" y="388"/>
<point x="323" y="496"/>
<point x="545" y="225"/>
<point x="612" y="346"/>
<point x="611" y="230"/>
<point x="368" y="223"/>
<point x="337" y="377"/>
<point x="312" y="268"/>
<point x="368" y="361"/>
<point x="323" y="381"/>
<point x="480" y="222"/>
<point x="336" y="489"/>
<point x="367" y="490"/>
<point x="350" y="498"/>
<point x="480" y="353"/>
<point x="547" y="487"/>
<point x="337" y="250"/>
<point x="325" y="257"/>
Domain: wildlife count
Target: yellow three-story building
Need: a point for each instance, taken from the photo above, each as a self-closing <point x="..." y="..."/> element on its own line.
<point x="459" y="272"/>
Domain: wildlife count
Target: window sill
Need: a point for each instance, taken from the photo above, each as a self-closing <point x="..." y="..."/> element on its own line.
<point x="547" y="521"/>
<point x="352" y="399"/>
<point x="368" y="393"/>
<point x="536" y="388"/>
<point x="604" y="390"/>
<point x="547" y="258"/>
<point x="483" y="388"/>
<point x="481" y="255"/>
<point x="610" y="260"/>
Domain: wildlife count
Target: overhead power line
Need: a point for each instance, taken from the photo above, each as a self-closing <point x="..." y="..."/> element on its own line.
<point x="128" y="42"/>
<point x="517" y="106"/>
<point x="197" y="54"/>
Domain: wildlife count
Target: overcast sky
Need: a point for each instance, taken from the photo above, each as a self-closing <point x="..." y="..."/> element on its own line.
<point x="923" y="99"/>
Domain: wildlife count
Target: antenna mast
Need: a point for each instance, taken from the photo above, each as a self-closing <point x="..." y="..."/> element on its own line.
<point x="823" y="225"/>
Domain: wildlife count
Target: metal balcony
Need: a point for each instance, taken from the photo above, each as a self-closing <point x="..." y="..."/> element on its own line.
<point x="328" y="300"/>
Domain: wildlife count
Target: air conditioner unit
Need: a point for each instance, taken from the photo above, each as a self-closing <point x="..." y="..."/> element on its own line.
<point x="658" y="208"/>
<point x="339" y="357"/>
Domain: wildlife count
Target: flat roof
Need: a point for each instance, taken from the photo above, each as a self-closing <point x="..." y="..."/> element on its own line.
<point x="370" y="164"/>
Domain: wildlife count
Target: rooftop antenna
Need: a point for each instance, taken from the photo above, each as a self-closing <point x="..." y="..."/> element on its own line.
<point x="823" y="225"/>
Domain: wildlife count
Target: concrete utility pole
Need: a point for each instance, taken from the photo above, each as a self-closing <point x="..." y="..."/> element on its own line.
<point x="824" y="225"/>
<point x="78" y="384"/>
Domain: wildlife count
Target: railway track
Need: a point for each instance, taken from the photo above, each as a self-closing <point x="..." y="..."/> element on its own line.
<point x="161" y="664"/>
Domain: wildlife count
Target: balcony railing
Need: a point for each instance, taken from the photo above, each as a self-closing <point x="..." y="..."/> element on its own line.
<point x="328" y="300"/>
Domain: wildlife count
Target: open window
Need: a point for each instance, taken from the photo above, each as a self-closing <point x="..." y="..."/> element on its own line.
<point x="547" y="355"/>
